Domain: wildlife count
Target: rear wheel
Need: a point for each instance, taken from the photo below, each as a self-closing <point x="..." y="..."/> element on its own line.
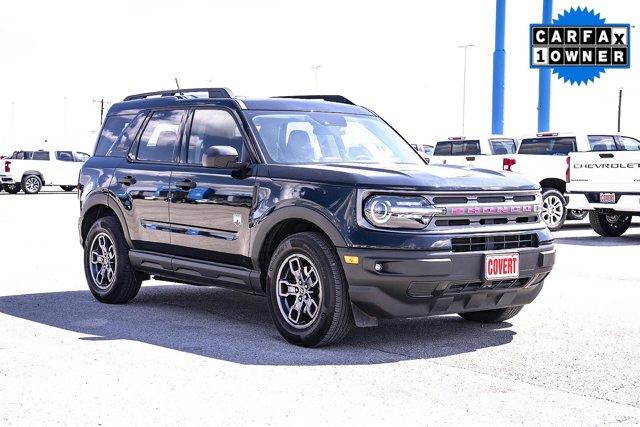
<point x="12" y="188"/>
<point x="109" y="272"/>
<point x="554" y="212"/>
<point x="307" y="291"/>
<point x="576" y="214"/>
<point x="492" y="316"/>
<point x="31" y="184"/>
<point x="68" y="187"/>
<point x="609" y="225"/>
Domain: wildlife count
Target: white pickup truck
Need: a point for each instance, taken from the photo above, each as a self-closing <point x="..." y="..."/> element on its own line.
<point x="29" y="171"/>
<point x="544" y="158"/>
<point x="606" y="182"/>
<point x="484" y="153"/>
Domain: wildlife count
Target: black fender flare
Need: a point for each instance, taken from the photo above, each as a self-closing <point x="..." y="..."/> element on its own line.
<point x="104" y="199"/>
<point x="32" y="172"/>
<point x="293" y="212"/>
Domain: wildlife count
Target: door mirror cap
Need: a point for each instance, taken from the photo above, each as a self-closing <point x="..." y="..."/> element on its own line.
<point x="220" y="157"/>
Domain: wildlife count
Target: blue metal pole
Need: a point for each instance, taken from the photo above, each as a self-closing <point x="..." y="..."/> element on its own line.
<point x="497" y="110"/>
<point x="544" y="85"/>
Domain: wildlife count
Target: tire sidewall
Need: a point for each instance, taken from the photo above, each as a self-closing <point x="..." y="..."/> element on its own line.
<point x="104" y="225"/>
<point x="314" y="332"/>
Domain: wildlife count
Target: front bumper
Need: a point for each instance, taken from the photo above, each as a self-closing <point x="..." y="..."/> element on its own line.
<point x="426" y="283"/>
<point x="587" y="201"/>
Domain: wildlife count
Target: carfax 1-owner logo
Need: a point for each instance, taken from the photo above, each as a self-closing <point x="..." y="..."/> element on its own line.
<point x="578" y="46"/>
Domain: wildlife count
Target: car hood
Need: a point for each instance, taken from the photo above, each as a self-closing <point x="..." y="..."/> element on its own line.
<point x="407" y="177"/>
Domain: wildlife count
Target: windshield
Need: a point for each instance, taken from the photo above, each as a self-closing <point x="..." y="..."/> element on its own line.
<point x="308" y="137"/>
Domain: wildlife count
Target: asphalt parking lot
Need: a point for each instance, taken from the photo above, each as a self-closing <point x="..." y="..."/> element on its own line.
<point x="181" y="354"/>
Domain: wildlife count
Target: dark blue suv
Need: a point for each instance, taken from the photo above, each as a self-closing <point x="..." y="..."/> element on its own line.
<point x="311" y="200"/>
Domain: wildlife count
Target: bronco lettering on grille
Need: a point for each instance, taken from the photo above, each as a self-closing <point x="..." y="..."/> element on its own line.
<point x="493" y="210"/>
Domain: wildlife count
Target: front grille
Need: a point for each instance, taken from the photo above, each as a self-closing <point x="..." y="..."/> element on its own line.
<point x="493" y="243"/>
<point x="458" y="288"/>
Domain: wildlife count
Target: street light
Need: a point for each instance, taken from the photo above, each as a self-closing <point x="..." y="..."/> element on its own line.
<point x="316" y="68"/>
<point x="464" y="82"/>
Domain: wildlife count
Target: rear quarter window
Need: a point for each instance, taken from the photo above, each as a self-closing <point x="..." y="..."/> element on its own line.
<point x="560" y="146"/>
<point x="111" y="131"/>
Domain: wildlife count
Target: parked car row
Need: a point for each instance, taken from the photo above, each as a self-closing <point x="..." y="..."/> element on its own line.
<point x="29" y="171"/>
<point x="545" y="158"/>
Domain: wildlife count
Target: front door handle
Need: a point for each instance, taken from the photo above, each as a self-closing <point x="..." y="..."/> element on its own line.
<point x="471" y="158"/>
<point x="606" y="155"/>
<point x="187" y="184"/>
<point x="127" y="180"/>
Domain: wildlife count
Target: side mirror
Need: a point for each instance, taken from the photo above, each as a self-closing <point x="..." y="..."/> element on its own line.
<point x="220" y="157"/>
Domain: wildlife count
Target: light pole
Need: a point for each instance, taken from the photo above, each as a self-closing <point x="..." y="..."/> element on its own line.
<point x="316" y="68"/>
<point x="64" y="119"/>
<point x="13" y="124"/>
<point x="464" y="82"/>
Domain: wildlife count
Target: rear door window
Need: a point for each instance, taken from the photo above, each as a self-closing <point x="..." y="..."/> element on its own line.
<point x="159" y="141"/>
<point x="40" y="155"/>
<point x="602" y="143"/>
<point x="557" y="146"/>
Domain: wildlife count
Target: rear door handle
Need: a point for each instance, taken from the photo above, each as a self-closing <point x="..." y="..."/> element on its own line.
<point x="127" y="180"/>
<point x="606" y="155"/>
<point x="187" y="184"/>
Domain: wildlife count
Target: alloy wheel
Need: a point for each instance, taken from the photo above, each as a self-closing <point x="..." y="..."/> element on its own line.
<point x="552" y="209"/>
<point x="103" y="261"/>
<point x="299" y="291"/>
<point x="32" y="184"/>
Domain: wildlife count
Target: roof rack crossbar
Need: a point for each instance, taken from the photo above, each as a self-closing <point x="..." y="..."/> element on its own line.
<point x="330" y="98"/>
<point x="213" y="92"/>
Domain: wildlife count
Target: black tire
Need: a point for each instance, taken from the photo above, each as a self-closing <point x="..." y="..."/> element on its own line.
<point x="491" y="316"/>
<point x="333" y="319"/>
<point x="68" y="187"/>
<point x="554" y="207"/>
<point x="125" y="282"/>
<point x="576" y="215"/>
<point x="12" y="188"/>
<point x="612" y="225"/>
<point x="31" y="184"/>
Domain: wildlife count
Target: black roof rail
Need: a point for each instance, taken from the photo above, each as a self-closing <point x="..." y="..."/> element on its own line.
<point x="214" y="92"/>
<point x="330" y="98"/>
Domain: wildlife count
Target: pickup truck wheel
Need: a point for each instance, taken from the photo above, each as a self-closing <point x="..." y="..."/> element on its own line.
<point x="307" y="291"/>
<point x="31" y="184"/>
<point x="609" y="225"/>
<point x="492" y="316"/>
<point x="554" y="212"/>
<point x="68" y="187"/>
<point x="12" y="188"/>
<point x="576" y="214"/>
<point x="109" y="272"/>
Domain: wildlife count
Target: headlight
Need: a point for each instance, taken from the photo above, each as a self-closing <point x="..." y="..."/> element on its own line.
<point x="399" y="212"/>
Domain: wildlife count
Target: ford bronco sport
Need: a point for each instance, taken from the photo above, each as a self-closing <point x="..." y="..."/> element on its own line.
<point x="311" y="200"/>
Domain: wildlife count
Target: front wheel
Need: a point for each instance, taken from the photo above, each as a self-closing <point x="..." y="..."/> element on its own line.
<point x="609" y="225"/>
<point x="31" y="184"/>
<point x="554" y="211"/>
<point x="12" y="188"/>
<point x="109" y="272"/>
<point x="68" y="187"/>
<point x="492" y="316"/>
<point x="307" y="291"/>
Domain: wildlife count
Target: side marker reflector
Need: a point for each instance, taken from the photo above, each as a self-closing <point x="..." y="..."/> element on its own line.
<point x="350" y="259"/>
